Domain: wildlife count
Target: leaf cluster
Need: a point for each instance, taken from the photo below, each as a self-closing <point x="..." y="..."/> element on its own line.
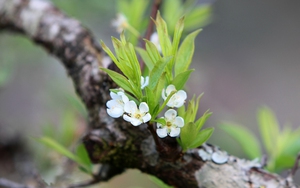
<point x="281" y="146"/>
<point x="191" y="134"/>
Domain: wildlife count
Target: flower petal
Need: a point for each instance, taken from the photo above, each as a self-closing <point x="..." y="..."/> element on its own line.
<point x="127" y="118"/>
<point x="163" y="94"/>
<point x="161" y="132"/>
<point x="170" y="114"/>
<point x="179" y="121"/>
<point x="136" y="122"/>
<point x="170" y="88"/>
<point x="115" y="112"/>
<point x="113" y="95"/>
<point x="144" y="107"/>
<point x="174" y="132"/>
<point x="146" y="118"/>
<point x="130" y="107"/>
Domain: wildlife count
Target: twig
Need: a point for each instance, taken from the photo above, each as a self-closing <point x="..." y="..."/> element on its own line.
<point x="295" y="167"/>
<point x="149" y="31"/>
<point x="10" y="184"/>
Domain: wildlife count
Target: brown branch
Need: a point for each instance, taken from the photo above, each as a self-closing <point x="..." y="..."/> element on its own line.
<point x="113" y="141"/>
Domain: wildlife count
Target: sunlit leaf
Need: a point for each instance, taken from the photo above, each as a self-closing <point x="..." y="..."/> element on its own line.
<point x="180" y="80"/>
<point x="185" y="53"/>
<point x="157" y="71"/>
<point x="202" y="137"/>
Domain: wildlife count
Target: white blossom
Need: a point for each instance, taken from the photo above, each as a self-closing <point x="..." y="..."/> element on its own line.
<point x="173" y="124"/>
<point x="115" y="107"/>
<point x="155" y="40"/>
<point x="120" y="23"/>
<point x="177" y="99"/>
<point x="134" y="115"/>
<point x="144" y="81"/>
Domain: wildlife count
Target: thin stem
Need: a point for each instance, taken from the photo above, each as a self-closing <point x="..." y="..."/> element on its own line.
<point x="155" y="6"/>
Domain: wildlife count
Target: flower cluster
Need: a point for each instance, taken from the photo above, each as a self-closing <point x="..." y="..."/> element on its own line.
<point x="120" y="105"/>
<point x="173" y="122"/>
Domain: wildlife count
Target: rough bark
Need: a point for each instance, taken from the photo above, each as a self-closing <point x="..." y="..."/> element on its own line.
<point x="114" y="142"/>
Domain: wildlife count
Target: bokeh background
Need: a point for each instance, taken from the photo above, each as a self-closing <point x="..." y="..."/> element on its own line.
<point x="247" y="57"/>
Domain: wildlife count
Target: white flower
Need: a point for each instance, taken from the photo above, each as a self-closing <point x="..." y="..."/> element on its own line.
<point x="120" y="23"/>
<point x="177" y="99"/>
<point x="115" y="107"/>
<point x="155" y="40"/>
<point x="134" y="115"/>
<point x="173" y="125"/>
<point x="144" y="81"/>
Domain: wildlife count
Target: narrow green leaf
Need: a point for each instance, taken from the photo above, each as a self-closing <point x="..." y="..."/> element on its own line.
<point x="130" y="52"/>
<point x="157" y="71"/>
<point x="185" y="53"/>
<point x="67" y="128"/>
<point x="153" y="52"/>
<point x="163" y="35"/>
<point x="161" y="121"/>
<point x="121" y="80"/>
<point x="83" y="156"/>
<point x="200" y="122"/>
<point x="248" y="142"/>
<point x="49" y="142"/>
<point x="144" y="55"/>
<point x="123" y="64"/>
<point x="202" y="137"/>
<point x="188" y="134"/>
<point x="176" y="40"/>
<point x="159" y="87"/>
<point x="269" y="128"/>
<point x="108" y="51"/>
<point x="180" y="80"/>
<point x="198" y="17"/>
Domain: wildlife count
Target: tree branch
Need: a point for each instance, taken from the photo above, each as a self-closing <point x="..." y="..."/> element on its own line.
<point x="113" y="141"/>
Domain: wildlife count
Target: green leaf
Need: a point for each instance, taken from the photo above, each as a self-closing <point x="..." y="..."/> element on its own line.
<point x="198" y="17"/>
<point x="176" y="40"/>
<point x="163" y="35"/>
<point x="244" y="138"/>
<point x="144" y="55"/>
<point x="49" y="142"/>
<point x="202" y="137"/>
<point x="159" y="87"/>
<point x="153" y="52"/>
<point x="67" y="128"/>
<point x="83" y="156"/>
<point x="200" y="122"/>
<point x="188" y="134"/>
<point x="157" y="71"/>
<point x="185" y="53"/>
<point x="269" y="128"/>
<point x="121" y="80"/>
<point x="161" y="121"/>
<point x="180" y="80"/>
<point x="135" y="66"/>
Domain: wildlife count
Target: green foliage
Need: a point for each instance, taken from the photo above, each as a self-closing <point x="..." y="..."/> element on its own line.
<point x="249" y="143"/>
<point x="171" y="66"/>
<point x="281" y="146"/>
<point x="196" y="16"/>
<point x="81" y="157"/>
<point x="191" y="136"/>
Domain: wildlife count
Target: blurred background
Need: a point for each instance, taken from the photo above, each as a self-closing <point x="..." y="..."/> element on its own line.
<point x="248" y="56"/>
